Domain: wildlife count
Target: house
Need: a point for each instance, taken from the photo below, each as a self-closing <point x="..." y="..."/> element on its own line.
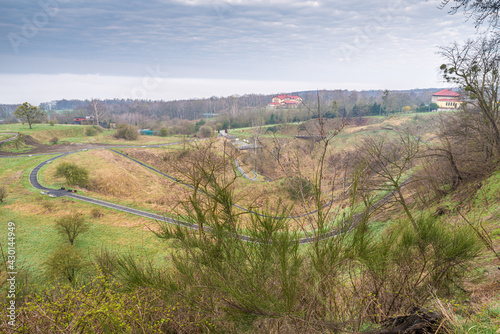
<point x="83" y="120"/>
<point x="285" y="101"/>
<point x="447" y="99"/>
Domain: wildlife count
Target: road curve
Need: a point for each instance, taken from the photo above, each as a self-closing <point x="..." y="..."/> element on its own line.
<point x="33" y="178"/>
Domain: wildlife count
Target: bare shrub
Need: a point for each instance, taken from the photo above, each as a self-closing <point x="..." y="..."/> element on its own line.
<point x="54" y="140"/>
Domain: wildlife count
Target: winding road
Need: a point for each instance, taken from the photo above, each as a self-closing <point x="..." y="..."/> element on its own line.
<point x="33" y="178"/>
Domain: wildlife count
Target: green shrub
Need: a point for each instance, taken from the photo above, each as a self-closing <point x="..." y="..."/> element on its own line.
<point x="127" y="132"/>
<point x="299" y="188"/>
<point x="65" y="262"/>
<point x="93" y="130"/>
<point x="73" y="174"/>
<point x="163" y="132"/>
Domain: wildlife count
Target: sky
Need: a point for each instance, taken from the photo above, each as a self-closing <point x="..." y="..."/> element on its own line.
<point x="183" y="49"/>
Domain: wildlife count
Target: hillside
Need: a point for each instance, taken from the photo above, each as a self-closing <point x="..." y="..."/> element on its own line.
<point x="324" y="225"/>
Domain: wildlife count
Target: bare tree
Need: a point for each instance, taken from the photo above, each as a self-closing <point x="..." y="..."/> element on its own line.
<point x="386" y="161"/>
<point x="97" y="109"/>
<point x="474" y="66"/>
<point x="479" y="10"/>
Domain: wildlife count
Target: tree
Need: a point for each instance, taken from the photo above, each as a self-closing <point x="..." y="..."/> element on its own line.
<point x="474" y="67"/>
<point x="479" y="10"/>
<point x="385" y="162"/>
<point x="72" y="225"/>
<point x="64" y="262"/>
<point x="97" y="110"/>
<point x="433" y="106"/>
<point x="74" y="174"/>
<point x="29" y="113"/>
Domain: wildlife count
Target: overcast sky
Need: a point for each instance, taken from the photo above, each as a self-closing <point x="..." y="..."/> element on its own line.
<point x="178" y="49"/>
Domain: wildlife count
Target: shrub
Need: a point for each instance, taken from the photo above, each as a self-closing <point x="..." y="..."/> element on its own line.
<point x="52" y="123"/>
<point x="65" y="262"/>
<point x="91" y="131"/>
<point x="205" y="131"/>
<point x="127" y="132"/>
<point x="54" y="140"/>
<point x="96" y="213"/>
<point x="73" y="174"/>
<point x="299" y="188"/>
<point x="163" y="132"/>
<point x="3" y="194"/>
<point x="47" y="205"/>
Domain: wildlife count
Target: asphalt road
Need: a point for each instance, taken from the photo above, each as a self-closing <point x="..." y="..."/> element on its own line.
<point x="33" y="178"/>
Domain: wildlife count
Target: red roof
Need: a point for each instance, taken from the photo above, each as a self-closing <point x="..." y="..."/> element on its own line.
<point x="446" y="92"/>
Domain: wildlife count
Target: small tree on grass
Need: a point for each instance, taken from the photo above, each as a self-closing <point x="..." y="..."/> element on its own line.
<point x="65" y="262"/>
<point x="3" y="194"/>
<point x="73" y="174"/>
<point x="29" y="113"/>
<point x="72" y="226"/>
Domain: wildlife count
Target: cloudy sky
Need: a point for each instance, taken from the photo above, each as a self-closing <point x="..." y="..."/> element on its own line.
<point x="177" y="49"/>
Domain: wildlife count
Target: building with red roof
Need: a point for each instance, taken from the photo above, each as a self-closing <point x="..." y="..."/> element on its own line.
<point x="447" y="99"/>
<point x="285" y="101"/>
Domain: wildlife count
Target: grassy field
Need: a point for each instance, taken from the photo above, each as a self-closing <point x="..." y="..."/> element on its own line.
<point x="34" y="215"/>
<point x="77" y="134"/>
<point x="116" y="179"/>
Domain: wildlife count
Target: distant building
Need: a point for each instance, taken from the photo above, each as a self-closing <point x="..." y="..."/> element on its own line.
<point x="285" y="101"/>
<point x="83" y="120"/>
<point x="447" y="99"/>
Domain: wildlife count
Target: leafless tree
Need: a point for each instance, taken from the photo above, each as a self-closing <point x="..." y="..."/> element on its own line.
<point x="479" y="10"/>
<point x="474" y="66"/>
<point x="97" y="109"/>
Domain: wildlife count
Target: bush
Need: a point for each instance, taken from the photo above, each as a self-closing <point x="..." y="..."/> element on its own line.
<point x="90" y="131"/>
<point x="64" y="263"/>
<point x="163" y="132"/>
<point x="73" y="174"/>
<point x="93" y="130"/>
<point x="54" y="140"/>
<point x="299" y="188"/>
<point x="47" y="205"/>
<point x="127" y="132"/>
<point x="3" y="194"/>
<point x="96" y="213"/>
<point x="52" y="123"/>
<point x="205" y="131"/>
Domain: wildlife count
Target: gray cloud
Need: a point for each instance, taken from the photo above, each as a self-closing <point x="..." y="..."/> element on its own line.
<point x="253" y="39"/>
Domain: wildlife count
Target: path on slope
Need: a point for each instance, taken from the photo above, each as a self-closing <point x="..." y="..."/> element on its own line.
<point x="33" y="178"/>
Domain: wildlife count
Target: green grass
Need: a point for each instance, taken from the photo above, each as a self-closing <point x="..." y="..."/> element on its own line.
<point x="36" y="237"/>
<point x="70" y="133"/>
